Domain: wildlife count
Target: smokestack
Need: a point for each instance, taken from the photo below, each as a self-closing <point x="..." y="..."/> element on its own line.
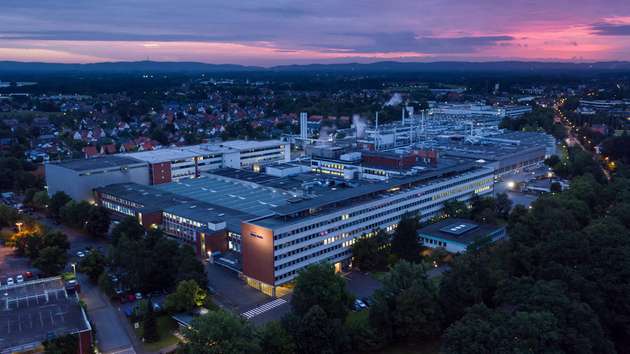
<point x="303" y="125"/>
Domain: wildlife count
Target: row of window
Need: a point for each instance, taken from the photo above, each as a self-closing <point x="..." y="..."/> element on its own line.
<point x="402" y="207"/>
<point x="430" y="241"/>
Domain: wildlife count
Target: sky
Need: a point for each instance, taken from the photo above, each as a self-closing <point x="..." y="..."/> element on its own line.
<point x="276" y="32"/>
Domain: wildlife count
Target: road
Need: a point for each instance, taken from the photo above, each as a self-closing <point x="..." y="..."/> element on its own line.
<point x="572" y="138"/>
<point x="113" y="332"/>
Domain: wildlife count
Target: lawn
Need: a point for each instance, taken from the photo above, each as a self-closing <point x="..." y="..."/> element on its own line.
<point x="166" y="325"/>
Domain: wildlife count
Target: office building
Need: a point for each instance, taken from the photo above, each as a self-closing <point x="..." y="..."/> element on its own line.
<point x="455" y="235"/>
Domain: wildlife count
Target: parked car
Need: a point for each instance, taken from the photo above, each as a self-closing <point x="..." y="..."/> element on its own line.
<point x="19" y="279"/>
<point x="367" y="301"/>
<point x="138" y="296"/>
<point x="157" y="307"/>
<point x="80" y="254"/>
<point x="359" y="305"/>
<point x="10" y="281"/>
<point x="131" y="298"/>
<point x="28" y="275"/>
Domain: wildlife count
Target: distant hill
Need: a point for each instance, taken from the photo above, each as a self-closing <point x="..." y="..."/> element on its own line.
<point x="122" y="67"/>
<point x="378" y="67"/>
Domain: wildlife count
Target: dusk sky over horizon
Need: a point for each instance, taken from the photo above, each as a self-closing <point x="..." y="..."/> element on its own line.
<point x="275" y="32"/>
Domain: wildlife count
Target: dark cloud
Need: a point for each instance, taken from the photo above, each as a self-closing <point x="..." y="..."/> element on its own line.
<point x="117" y="36"/>
<point x="409" y="42"/>
<point x="611" y="29"/>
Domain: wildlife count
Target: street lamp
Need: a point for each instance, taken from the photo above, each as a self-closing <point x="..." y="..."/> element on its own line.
<point x="19" y="225"/>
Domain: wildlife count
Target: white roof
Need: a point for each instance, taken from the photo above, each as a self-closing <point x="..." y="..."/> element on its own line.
<point x="251" y="144"/>
<point x="176" y="153"/>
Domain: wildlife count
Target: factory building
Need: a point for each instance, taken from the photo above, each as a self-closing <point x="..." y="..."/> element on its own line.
<point x="250" y="153"/>
<point x="310" y="230"/>
<point x="274" y="226"/>
<point x="78" y="178"/>
<point x="172" y="164"/>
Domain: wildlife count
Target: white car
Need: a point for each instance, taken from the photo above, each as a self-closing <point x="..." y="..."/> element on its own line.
<point x="138" y="296"/>
<point x="10" y="281"/>
<point x="19" y="279"/>
<point x="80" y="254"/>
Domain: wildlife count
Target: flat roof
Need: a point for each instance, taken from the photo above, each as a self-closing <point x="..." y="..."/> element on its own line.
<point x="99" y="162"/>
<point x="248" y="198"/>
<point x="151" y="198"/>
<point x="251" y="144"/>
<point x="462" y="231"/>
<point x="177" y="153"/>
<point x="367" y="188"/>
<point x="37" y="310"/>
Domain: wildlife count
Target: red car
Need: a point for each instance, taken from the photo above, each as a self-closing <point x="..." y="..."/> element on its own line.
<point x="28" y="275"/>
<point x="131" y="298"/>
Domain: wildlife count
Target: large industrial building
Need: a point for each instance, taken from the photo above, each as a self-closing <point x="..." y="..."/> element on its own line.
<point x="78" y="178"/>
<point x="279" y="225"/>
<point x="159" y="166"/>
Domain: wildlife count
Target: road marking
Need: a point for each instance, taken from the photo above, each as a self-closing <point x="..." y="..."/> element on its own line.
<point x="263" y="308"/>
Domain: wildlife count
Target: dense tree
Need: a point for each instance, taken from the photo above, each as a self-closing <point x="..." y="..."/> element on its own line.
<point x="186" y="297"/>
<point x="503" y="205"/>
<point x="149" y="325"/>
<point x="456" y="209"/>
<point x="472" y="279"/>
<point x="483" y="330"/>
<point x="51" y="260"/>
<point x="128" y="227"/>
<point x="97" y="222"/>
<point x="189" y="267"/>
<point x="405" y="242"/>
<point x="318" y="333"/>
<point x="93" y="265"/>
<point x="371" y="253"/>
<point x="75" y="214"/>
<point x="406" y="306"/>
<point x="579" y="329"/>
<point x="275" y="339"/>
<point x="319" y="285"/>
<point x="105" y="284"/>
<point x="68" y="343"/>
<point x="219" y="332"/>
<point x="57" y="202"/>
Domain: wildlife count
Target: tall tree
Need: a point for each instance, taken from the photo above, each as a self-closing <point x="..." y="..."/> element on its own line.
<point x="371" y="253"/>
<point x="319" y="285"/>
<point x="219" y="332"/>
<point x="406" y="307"/>
<point x="97" y="222"/>
<point x="57" y="201"/>
<point x="405" y="243"/>
<point x="149" y="325"/>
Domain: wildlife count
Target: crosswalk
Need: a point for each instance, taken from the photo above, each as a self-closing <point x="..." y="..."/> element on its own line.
<point x="263" y="308"/>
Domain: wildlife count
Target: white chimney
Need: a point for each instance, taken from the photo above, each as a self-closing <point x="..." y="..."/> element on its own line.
<point x="303" y="125"/>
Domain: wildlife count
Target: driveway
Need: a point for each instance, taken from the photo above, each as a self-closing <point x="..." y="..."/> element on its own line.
<point x="361" y="284"/>
<point x="111" y="329"/>
<point x="231" y="292"/>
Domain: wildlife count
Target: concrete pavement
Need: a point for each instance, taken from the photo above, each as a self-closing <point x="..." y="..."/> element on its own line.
<point x="111" y="334"/>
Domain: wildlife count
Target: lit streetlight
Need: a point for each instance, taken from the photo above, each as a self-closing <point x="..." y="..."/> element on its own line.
<point x="19" y="225"/>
